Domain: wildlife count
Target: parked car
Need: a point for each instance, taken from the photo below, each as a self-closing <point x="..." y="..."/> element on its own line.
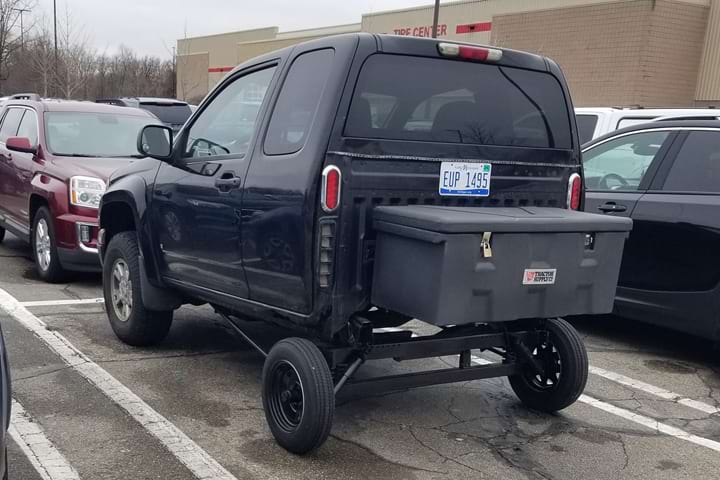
<point x="666" y="177"/>
<point x="55" y="158"/>
<point x="5" y="405"/>
<point x="596" y="122"/>
<point x="173" y="113"/>
<point x="294" y="196"/>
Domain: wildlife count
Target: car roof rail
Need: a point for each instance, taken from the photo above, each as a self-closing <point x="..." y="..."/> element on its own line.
<point x="26" y="96"/>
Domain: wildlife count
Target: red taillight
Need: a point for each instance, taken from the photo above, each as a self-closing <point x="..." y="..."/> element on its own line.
<point x="330" y="196"/>
<point x="467" y="52"/>
<point x="574" y="192"/>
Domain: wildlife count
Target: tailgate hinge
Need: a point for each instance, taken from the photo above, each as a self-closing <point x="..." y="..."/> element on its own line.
<point x="486" y="249"/>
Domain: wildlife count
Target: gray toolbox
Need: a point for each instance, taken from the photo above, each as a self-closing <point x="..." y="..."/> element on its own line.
<point x="459" y="265"/>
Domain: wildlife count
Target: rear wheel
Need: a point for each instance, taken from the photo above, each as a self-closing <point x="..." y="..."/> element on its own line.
<point x="298" y="395"/>
<point x="129" y="319"/>
<point x="44" y="247"/>
<point x="564" y="364"/>
<point x="2" y="234"/>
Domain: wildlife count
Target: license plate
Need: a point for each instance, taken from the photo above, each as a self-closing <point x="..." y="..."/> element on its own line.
<point x="465" y="179"/>
<point x="539" y="276"/>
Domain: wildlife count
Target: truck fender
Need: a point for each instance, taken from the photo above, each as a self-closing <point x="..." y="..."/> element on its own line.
<point x="129" y="194"/>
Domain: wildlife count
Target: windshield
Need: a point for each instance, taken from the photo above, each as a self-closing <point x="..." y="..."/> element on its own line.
<point x="171" y="114"/>
<point x="88" y="134"/>
<point x="435" y="100"/>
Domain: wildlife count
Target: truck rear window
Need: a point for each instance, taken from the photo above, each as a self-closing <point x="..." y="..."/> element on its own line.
<point x="437" y="100"/>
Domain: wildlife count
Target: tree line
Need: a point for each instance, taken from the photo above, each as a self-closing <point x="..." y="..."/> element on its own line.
<point x="29" y="61"/>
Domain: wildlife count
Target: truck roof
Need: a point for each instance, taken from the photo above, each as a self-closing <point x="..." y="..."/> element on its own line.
<point x="398" y="44"/>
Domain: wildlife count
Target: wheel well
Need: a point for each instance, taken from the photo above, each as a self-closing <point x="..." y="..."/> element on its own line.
<point x="36" y="201"/>
<point x="116" y="217"/>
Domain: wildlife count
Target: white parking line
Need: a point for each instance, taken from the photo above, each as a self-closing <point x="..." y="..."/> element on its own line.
<point x="44" y="457"/>
<point x="190" y="454"/>
<point x="652" y="389"/>
<point x="637" y="418"/>
<point x="52" y="303"/>
<point x="651" y="423"/>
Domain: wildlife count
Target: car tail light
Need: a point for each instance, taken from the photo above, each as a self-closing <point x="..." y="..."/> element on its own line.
<point x="330" y="195"/>
<point x="467" y="52"/>
<point x="574" y="192"/>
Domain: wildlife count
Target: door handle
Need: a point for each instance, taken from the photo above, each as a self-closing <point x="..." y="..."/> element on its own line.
<point x="228" y="181"/>
<point x="612" y="207"/>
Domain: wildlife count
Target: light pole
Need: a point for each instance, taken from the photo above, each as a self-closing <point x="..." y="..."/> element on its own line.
<point x="55" y="32"/>
<point x="22" y="27"/>
<point x="436" y="13"/>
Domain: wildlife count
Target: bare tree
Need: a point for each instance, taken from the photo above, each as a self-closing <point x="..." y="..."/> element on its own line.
<point x="9" y="35"/>
<point x="77" y="63"/>
<point x="40" y="59"/>
<point x="82" y="72"/>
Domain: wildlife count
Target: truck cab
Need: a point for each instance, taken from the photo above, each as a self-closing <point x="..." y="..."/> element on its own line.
<point x="264" y="205"/>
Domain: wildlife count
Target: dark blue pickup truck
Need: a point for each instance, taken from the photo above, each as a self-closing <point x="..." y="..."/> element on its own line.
<point x="336" y="190"/>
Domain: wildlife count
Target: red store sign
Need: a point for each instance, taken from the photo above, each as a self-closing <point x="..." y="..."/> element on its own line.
<point x="426" y="30"/>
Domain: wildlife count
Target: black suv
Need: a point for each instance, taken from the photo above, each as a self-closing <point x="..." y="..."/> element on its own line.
<point x="357" y="182"/>
<point x="666" y="177"/>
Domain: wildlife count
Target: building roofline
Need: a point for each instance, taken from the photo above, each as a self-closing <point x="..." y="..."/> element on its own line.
<point x="421" y="7"/>
<point x="250" y="30"/>
<point x="307" y="33"/>
<point x="344" y="28"/>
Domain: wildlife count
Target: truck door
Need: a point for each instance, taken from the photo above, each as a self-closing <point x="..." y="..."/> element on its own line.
<point x="23" y="165"/>
<point x="279" y="202"/>
<point x="8" y="183"/>
<point x="196" y="201"/>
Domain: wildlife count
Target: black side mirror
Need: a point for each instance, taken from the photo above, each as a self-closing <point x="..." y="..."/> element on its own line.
<point x="156" y="141"/>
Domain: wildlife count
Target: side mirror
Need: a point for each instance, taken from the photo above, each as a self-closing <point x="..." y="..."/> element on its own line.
<point x="155" y="141"/>
<point x="20" y="144"/>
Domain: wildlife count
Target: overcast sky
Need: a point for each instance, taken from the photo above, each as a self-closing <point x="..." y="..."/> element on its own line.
<point x="153" y="26"/>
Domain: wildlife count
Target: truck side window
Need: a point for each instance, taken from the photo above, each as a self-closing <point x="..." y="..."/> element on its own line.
<point x="227" y="125"/>
<point x="29" y="127"/>
<point x="10" y="123"/>
<point x="298" y="102"/>
<point x="697" y="165"/>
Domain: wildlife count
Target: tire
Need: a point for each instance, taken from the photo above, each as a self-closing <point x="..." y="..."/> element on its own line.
<point x="298" y="395"/>
<point x="130" y="320"/>
<point x="564" y="352"/>
<point x="44" y="247"/>
<point x="2" y="234"/>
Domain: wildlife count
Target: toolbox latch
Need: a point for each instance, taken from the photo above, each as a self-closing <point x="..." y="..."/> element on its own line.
<point x="486" y="249"/>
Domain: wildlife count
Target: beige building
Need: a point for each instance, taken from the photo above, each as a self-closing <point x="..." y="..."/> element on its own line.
<point x="619" y="52"/>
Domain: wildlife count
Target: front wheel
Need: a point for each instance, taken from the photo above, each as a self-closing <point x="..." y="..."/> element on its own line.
<point x="298" y="395"/>
<point x="564" y="363"/>
<point x="130" y="320"/>
<point x="44" y="247"/>
<point x="2" y="234"/>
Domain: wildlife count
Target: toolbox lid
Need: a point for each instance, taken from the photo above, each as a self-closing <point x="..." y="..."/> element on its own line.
<point x="443" y="219"/>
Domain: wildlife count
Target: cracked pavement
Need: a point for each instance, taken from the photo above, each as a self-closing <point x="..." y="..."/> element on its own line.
<point x="206" y="381"/>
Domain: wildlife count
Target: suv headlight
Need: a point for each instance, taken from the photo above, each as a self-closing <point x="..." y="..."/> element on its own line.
<point x="86" y="191"/>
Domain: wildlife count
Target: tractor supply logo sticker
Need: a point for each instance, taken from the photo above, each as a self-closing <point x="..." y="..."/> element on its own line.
<point x="539" y="276"/>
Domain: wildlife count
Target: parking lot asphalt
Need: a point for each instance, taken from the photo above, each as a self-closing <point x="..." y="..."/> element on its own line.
<point x="95" y="408"/>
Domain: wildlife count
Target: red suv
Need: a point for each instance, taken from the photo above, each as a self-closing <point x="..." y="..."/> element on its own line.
<point x="55" y="158"/>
